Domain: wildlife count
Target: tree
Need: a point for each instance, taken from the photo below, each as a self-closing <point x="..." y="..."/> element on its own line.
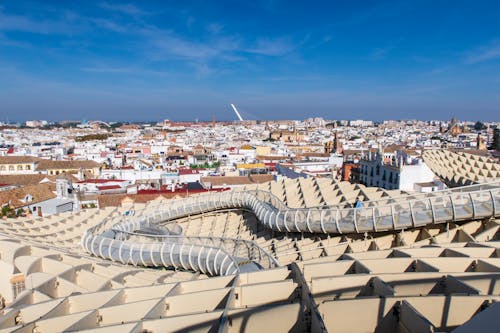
<point x="6" y="210"/>
<point x="479" y="126"/>
<point x="496" y="140"/>
<point x="91" y="137"/>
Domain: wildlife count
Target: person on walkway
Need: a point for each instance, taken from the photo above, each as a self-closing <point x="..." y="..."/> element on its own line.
<point x="358" y="204"/>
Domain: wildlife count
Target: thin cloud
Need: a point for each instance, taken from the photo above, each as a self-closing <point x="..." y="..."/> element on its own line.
<point x="381" y="53"/>
<point x="9" y="22"/>
<point x="213" y="54"/>
<point x="124" y="8"/>
<point x="271" y="47"/>
<point x="163" y="44"/>
<point x="106" y="69"/>
<point x="215" y="28"/>
<point x="484" y="53"/>
<point x="108" y="25"/>
<point x="438" y="71"/>
<point x="124" y="70"/>
<point x="167" y="44"/>
<point x="203" y="69"/>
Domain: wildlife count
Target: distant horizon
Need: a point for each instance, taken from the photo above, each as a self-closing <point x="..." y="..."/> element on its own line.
<point x="235" y="120"/>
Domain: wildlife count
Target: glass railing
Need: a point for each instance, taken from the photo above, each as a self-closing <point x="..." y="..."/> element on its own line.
<point x="124" y="242"/>
<point x="240" y="249"/>
<point x="177" y="253"/>
<point x="472" y="202"/>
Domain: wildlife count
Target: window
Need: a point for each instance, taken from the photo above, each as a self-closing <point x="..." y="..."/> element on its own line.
<point x="18" y="287"/>
<point x="3" y="168"/>
<point x="27" y="167"/>
<point x="11" y="168"/>
<point x="19" y="167"/>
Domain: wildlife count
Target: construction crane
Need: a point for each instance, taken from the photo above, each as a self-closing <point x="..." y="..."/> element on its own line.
<point x="236" y="111"/>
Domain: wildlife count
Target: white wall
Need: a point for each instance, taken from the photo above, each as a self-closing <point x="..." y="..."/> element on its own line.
<point x="158" y="149"/>
<point x="132" y="175"/>
<point x="5" y="285"/>
<point x="92" y="187"/>
<point x="336" y="161"/>
<point x="411" y="174"/>
<point x="190" y="178"/>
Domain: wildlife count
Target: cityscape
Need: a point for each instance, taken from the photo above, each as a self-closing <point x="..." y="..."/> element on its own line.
<point x="258" y="200"/>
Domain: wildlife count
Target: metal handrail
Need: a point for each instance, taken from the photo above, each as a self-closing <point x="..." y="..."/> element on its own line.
<point x="414" y="196"/>
<point x="177" y="238"/>
<point x="273" y="213"/>
<point x="269" y="198"/>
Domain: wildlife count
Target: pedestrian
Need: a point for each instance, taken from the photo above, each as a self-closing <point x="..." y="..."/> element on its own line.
<point x="358" y="204"/>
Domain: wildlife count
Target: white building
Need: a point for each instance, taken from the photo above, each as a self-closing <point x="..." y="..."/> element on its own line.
<point x="191" y="175"/>
<point x="399" y="174"/>
<point x="360" y="123"/>
<point x="132" y="174"/>
<point x="99" y="185"/>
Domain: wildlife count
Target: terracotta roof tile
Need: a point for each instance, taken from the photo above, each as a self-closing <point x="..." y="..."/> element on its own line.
<point x="236" y="180"/>
<point x="22" y="180"/>
<point x="18" y="159"/>
<point x="51" y="164"/>
<point x="39" y="192"/>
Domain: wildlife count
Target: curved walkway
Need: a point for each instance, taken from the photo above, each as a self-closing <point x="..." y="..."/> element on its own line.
<point x="133" y="242"/>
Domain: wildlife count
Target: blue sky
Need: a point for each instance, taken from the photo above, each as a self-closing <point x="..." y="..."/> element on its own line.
<point x="182" y="60"/>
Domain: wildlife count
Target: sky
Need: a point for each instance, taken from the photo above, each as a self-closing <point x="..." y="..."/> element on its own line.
<point x="274" y="59"/>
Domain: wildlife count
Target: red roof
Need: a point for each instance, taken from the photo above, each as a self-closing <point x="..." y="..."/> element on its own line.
<point x="188" y="172"/>
<point x="271" y="166"/>
<point x="108" y="187"/>
<point x="100" y="181"/>
<point x="182" y="190"/>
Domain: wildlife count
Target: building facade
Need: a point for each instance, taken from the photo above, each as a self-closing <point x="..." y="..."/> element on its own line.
<point x="395" y="174"/>
<point x="11" y="165"/>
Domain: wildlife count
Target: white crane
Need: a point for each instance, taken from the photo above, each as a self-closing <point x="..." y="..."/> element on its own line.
<point x="236" y="111"/>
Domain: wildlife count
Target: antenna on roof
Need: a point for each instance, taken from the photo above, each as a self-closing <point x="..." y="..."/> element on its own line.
<point x="236" y="111"/>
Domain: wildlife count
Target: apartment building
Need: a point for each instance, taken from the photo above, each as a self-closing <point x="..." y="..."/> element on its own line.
<point x="394" y="174"/>
<point x="10" y="165"/>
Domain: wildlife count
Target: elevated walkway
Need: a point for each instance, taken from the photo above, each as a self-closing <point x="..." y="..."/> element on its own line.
<point x="124" y="241"/>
